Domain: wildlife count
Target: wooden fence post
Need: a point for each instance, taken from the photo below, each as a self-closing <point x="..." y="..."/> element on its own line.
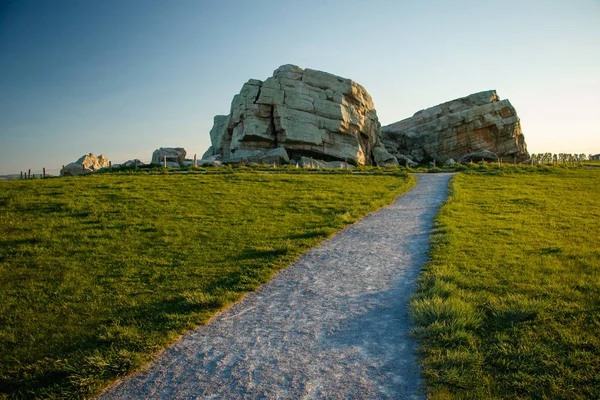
<point x="44" y="172"/>
<point x="21" y="175"/>
<point x="29" y="175"/>
<point x="164" y="161"/>
<point x="110" y="165"/>
<point x="62" y="171"/>
<point x="195" y="163"/>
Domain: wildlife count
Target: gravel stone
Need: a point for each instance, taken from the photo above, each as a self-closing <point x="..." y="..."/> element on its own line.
<point x="332" y="325"/>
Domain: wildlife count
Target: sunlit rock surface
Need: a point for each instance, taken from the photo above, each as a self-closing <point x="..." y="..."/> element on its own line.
<point x="306" y="112"/>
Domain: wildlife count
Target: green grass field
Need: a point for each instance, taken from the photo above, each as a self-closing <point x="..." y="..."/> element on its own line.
<point x="98" y="273"/>
<point x="509" y="306"/>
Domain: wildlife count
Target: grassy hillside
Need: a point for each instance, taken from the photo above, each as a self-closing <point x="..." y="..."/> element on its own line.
<point x="509" y="306"/>
<point x="98" y="273"/>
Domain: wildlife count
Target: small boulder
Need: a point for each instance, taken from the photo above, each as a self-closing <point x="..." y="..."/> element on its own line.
<point x="405" y="160"/>
<point x="276" y="156"/>
<point x="339" y="164"/>
<point x="74" y="169"/>
<point x="307" y="162"/>
<point x="383" y="158"/>
<point x="450" y="162"/>
<point x="175" y="156"/>
<point x="244" y="157"/>
<point x="132" y="163"/>
<point x="209" y="163"/>
<point x="477" y="156"/>
<point x="215" y="157"/>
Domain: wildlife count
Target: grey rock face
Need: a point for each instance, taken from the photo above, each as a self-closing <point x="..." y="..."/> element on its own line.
<point x="307" y="112"/>
<point x="480" y="121"/>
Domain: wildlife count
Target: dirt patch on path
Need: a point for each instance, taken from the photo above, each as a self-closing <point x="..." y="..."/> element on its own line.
<point x="332" y="325"/>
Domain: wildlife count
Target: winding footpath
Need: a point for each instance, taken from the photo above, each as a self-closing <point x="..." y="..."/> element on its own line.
<point x="332" y="325"/>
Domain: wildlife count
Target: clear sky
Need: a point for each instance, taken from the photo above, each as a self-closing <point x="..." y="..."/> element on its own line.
<point x="124" y="77"/>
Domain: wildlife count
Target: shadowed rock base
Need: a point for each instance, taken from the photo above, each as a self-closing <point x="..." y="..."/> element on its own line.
<point x="332" y="325"/>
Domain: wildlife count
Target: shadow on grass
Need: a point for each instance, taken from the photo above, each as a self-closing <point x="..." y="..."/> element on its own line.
<point x="256" y="254"/>
<point x="18" y="242"/>
<point x="38" y="207"/>
<point x="309" y="235"/>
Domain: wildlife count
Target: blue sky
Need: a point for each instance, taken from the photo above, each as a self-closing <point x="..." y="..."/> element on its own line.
<point x="126" y="77"/>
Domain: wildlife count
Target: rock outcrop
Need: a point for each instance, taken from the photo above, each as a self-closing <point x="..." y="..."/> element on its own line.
<point x="306" y="112"/>
<point x="470" y="124"/>
<point x="175" y="156"/>
<point x="86" y="164"/>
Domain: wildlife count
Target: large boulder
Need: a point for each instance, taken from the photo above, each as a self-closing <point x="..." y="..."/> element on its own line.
<point x="478" y="122"/>
<point x="175" y="156"/>
<point x="86" y="164"/>
<point x="306" y="112"/>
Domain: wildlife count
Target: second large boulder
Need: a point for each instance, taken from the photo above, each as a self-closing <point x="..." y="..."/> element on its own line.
<point x="451" y="130"/>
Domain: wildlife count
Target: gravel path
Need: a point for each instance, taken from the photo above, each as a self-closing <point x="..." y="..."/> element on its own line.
<point x="332" y="325"/>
